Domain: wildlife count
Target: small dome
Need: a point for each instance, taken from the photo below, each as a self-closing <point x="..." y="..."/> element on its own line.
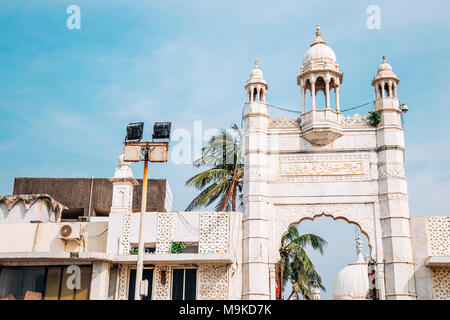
<point x="319" y="50"/>
<point x="384" y="66"/>
<point x="256" y="71"/>
<point x="385" y="71"/>
<point x="256" y="77"/>
<point x="352" y="282"/>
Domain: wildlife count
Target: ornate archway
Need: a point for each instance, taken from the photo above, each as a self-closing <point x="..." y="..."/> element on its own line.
<point x="361" y="215"/>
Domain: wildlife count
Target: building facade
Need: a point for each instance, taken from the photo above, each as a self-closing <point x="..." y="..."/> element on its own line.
<point x="344" y="167"/>
<point x="77" y="238"/>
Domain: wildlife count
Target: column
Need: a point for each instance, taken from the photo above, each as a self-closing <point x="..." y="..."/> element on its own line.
<point x="303" y="92"/>
<point x="313" y="95"/>
<point x="382" y="89"/>
<point x="99" y="281"/>
<point x="394" y="206"/>
<point x="273" y="283"/>
<point x="390" y="89"/>
<point x="327" y="94"/>
<point x="255" y="268"/>
<point x="336" y="91"/>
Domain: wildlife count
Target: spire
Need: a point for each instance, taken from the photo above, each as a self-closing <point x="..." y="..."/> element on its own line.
<point x="256" y="62"/>
<point x="318" y="32"/>
<point x="358" y="245"/>
<point x="318" y="37"/>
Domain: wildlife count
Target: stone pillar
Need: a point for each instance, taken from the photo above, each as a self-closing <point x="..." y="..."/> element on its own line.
<point x="327" y="94"/>
<point x="303" y="92"/>
<point x="273" y="282"/>
<point x="255" y="267"/>
<point x="393" y="199"/>
<point x="313" y="95"/>
<point x="99" y="281"/>
<point x="336" y="91"/>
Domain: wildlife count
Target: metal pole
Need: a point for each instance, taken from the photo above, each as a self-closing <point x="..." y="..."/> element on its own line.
<point x="140" y="261"/>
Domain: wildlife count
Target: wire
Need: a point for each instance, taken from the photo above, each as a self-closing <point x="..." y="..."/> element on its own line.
<point x="298" y="112"/>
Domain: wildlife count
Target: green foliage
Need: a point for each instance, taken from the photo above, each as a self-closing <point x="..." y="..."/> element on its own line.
<point x="223" y="181"/>
<point x="177" y="247"/>
<point x="374" y="118"/>
<point x="134" y="251"/>
<point x="295" y="265"/>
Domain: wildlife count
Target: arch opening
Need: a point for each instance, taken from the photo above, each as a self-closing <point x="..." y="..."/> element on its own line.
<point x="340" y="251"/>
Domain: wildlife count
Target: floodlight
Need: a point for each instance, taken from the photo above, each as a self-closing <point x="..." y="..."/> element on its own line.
<point x="135" y="131"/>
<point x="404" y="108"/>
<point x="161" y="130"/>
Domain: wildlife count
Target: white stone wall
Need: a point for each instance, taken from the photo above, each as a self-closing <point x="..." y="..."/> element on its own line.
<point x="215" y="232"/>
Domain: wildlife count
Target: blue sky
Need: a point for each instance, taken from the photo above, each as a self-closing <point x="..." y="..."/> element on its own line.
<point x="66" y="96"/>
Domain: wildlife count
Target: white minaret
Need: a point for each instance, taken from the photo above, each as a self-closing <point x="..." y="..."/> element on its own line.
<point x="123" y="184"/>
<point x="255" y="268"/>
<point x="320" y="125"/>
<point x="392" y="189"/>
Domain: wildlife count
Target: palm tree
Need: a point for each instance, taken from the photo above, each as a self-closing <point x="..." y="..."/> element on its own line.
<point x="223" y="181"/>
<point x="295" y="265"/>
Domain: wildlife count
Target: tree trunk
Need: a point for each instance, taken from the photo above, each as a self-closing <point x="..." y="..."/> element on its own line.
<point x="227" y="198"/>
<point x="234" y="200"/>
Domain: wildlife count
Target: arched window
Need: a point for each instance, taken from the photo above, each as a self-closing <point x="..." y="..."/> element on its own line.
<point x="255" y="94"/>
<point x="386" y="89"/>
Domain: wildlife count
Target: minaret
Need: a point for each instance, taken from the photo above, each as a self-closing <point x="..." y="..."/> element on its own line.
<point x="392" y="189"/>
<point x="320" y="125"/>
<point x="255" y="266"/>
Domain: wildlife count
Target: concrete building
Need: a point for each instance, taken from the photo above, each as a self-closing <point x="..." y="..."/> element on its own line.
<point x="76" y="238"/>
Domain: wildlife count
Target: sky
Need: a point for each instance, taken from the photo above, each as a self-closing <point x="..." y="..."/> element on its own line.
<point x="66" y="95"/>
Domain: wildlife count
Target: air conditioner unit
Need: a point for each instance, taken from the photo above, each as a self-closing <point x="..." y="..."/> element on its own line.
<point x="70" y="231"/>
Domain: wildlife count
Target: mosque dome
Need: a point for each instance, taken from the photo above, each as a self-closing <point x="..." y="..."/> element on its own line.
<point x="319" y="53"/>
<point x="352" y="282"/>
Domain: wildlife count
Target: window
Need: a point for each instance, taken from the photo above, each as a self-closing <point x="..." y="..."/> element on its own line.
<point x="147" y="274"/>
<point x="191" y="248"/>
<point x="184" y="284"/>
<point x="147" y="249"/>
<point x="48" y="283"/>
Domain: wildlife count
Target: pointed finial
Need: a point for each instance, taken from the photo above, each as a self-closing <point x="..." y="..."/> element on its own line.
<point x="358" y="244"/>
<point x="384" y="58"/>
<point x="256" y="62"/>
<point x="318" y="32"/>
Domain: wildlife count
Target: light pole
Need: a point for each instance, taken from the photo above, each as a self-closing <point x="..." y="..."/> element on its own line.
<point x="153" y="152"/>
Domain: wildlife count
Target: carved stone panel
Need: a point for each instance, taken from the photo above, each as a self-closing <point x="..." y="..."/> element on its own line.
<point x="214" y="236"/>
<point x="213" y="282"/>
<point x="324" y="168"/>
<point x="441" y="283"/>
<point x="164" y="232"/>
<point x="161" y="291"/>
<point x="438" y="233"/>
<point x="123" y="282"/>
